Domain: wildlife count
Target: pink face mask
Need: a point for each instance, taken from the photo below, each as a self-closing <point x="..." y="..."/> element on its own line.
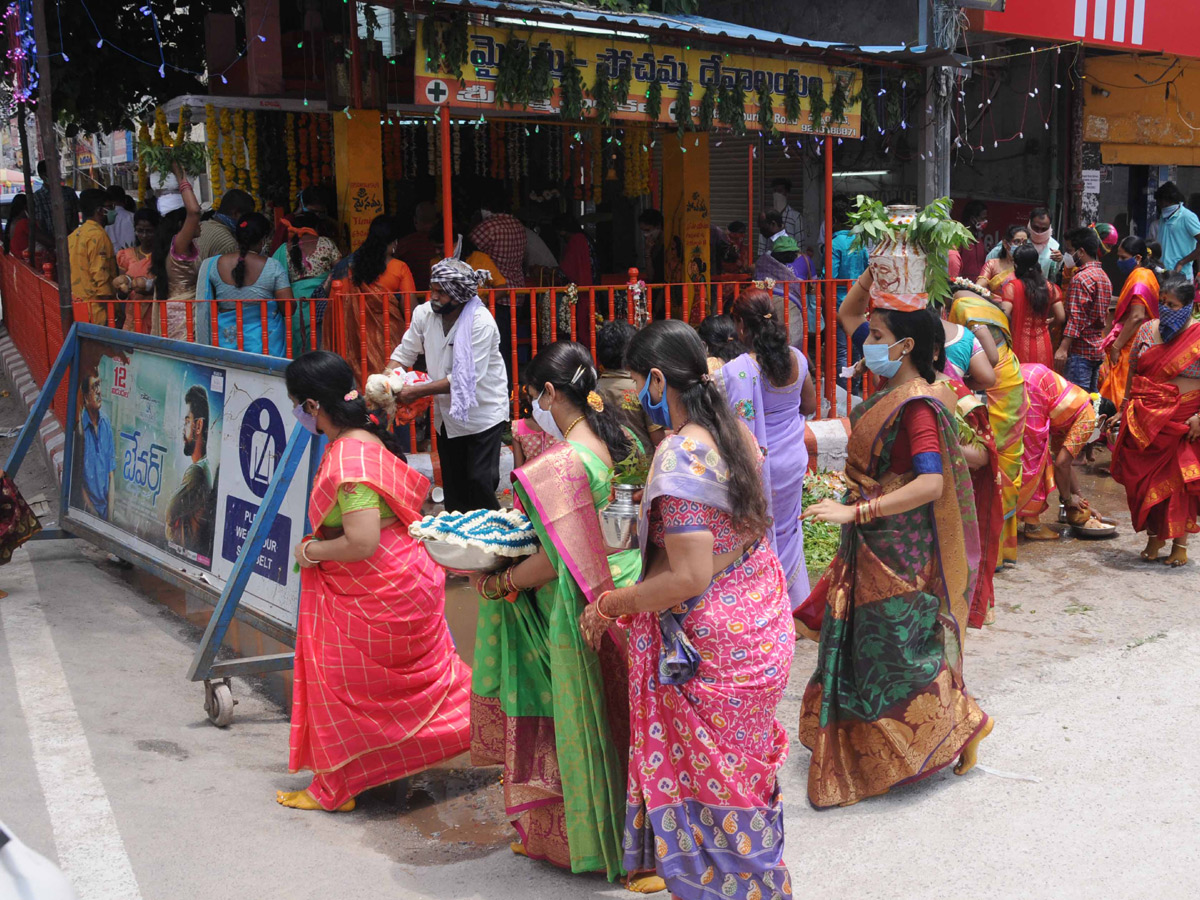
<point x="1040" y="239"/>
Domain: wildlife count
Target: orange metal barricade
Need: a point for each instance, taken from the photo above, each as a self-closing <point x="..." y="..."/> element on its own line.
<point x="353" y="324"/>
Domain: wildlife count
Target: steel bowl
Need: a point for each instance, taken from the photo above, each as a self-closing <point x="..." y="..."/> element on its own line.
<point x="1095" y="534"/>
<point x="462" y="560"/>
<point x="620" y="530"/>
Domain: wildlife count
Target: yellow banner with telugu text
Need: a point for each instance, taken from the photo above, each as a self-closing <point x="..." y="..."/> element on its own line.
<point x="672" y="66"/>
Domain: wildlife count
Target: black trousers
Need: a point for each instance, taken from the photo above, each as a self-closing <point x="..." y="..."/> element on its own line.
<point x="471" y="469"/>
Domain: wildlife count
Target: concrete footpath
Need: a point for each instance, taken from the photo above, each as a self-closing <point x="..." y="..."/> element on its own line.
<point x="110" y="767"/>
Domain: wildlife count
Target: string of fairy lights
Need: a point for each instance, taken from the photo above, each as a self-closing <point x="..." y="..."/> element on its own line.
<point x="968" y="136"/>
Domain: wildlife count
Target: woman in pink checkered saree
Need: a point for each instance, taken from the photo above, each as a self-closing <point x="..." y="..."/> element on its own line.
<point x="379" y="692"/>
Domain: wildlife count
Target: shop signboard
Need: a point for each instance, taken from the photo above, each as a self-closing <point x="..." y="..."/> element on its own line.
<point x="171" y="455"/>
<point x="476" y="93"/>
<point x="1160" y="26"/>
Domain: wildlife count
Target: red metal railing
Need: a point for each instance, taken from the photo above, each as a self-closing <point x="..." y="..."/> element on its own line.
<point x="354" y="324"/>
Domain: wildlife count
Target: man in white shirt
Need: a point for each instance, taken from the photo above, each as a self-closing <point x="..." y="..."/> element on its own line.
<point x="468" y="382"/>
<point x="793" y="224"/>
<point x="120" y="219"/>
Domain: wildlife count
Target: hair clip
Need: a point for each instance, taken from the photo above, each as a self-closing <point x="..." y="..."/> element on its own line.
<point x="353" y="395"/>
<point x="768" y="315"/>
<point x="373" y="419"/>
<point x="706" y="378"/>
<point x="575" y="377"/>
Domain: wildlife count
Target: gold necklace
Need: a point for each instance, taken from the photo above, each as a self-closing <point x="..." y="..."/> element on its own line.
<point x="567" y="433"/>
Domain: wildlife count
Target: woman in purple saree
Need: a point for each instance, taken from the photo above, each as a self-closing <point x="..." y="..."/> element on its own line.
<point x="769" y="389"/>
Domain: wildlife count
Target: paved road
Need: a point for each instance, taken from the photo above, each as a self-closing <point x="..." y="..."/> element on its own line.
<point x="110" y="767"/>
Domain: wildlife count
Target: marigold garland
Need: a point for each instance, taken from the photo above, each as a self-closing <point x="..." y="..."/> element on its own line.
<point x="229" y="175"/>
<point x="304" y="153"/>
<point x="252" y="154"/>
<point x="289" y="137"/>
<point x="162" y="131"/>
<point x="314" y="151"/>
<point x="212" y="139"/>
<point x="326" y="125"/>
<point x="239" y="148"/>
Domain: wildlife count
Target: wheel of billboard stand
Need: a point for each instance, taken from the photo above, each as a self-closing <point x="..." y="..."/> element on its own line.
<point x="219" y="702"/>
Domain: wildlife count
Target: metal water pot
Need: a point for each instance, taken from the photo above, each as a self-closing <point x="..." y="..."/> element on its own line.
<point x="619" y="520"/>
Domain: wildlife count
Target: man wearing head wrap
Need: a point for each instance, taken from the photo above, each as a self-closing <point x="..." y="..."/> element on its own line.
<point x="461" y="345"/>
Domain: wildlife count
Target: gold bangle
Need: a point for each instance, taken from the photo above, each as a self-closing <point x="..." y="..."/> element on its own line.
<point x="304" y="552"/>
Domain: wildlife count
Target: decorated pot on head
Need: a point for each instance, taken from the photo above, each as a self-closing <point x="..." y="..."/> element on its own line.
<point x="898" y="268"/>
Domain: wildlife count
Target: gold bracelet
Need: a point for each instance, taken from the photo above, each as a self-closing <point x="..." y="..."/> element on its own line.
<point x="304" y="552"/>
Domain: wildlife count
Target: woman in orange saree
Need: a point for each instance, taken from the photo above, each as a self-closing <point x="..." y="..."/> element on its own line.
<point x="364" y="332"/>
<point x="1138" y="302"/>
<point x="379" y="692"/>
<point x="1157" y="456"/>
<point x="887" y="704"/>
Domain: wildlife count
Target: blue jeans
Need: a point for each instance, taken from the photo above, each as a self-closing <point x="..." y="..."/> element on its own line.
<point x="1083" y="372"/>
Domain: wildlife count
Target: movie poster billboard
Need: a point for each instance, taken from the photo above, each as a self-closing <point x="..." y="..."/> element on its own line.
<point x="172" y="454"/>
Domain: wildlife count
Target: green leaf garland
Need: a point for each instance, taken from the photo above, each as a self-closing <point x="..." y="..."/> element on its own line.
<point x="766" y="110"/>
<point x="817" y="104"/>
<point x="572" y="87"/>
<point x="837" y="102"/>
<point x="708" y="106"/>
<point x="737" y="108"/>
<point x="683" y="108"/>
<point x="541" y="74"/>
<point x="791" y="99"/>
<point x="512" y="75"/>
<point x="602" y="96"/>
<point x="455" y="47"/>
<point x="654" y="99"/>
<point x="621" y="85"/>
<point x="431" y="38"/>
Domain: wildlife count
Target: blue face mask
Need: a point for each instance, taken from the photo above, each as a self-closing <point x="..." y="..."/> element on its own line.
<point x="1173" y="321"/>
<point x="657" y="413"/>
<point x="1126" y="266"/>
<point x="1168" y="211"/>
<point x="877" y="359"/>
<point x="305" y="418"/>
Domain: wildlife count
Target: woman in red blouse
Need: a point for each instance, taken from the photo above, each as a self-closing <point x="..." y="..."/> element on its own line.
<point x="892" y="608"/>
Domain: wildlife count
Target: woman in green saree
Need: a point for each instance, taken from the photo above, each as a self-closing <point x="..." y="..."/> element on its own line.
<point x="551" y="711"/>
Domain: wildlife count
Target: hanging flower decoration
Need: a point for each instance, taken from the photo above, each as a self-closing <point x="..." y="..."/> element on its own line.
<point x="252" y="153"/>
<point x="239" y="148"/>
<point x="431" y="134"/>
<point x="162" y="131"/>
<point x="456" y="149"/>
<point x="212" y="138"/>
<point x="314" y="149"/>
<point x="289" y="137"/>
<point x="326" y="126"/>
<point x="230" y="176"/>
<point x="305" y="181"/>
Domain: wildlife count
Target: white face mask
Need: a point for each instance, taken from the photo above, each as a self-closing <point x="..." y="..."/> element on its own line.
<point x="545" y="419"/>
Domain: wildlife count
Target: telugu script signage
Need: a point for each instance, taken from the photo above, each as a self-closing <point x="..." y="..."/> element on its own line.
<point x="670" y="65"/>
<point x="1159" y="26"/>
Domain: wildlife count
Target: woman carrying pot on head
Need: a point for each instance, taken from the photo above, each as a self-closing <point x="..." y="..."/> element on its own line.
<point x="379" y="691"/>
<point x="769" y="389"/>
<point x="887" y="704"/>
<point x="176" y="261"/>
<point x="552" y="711"/>
<point x="711" y="640"/>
